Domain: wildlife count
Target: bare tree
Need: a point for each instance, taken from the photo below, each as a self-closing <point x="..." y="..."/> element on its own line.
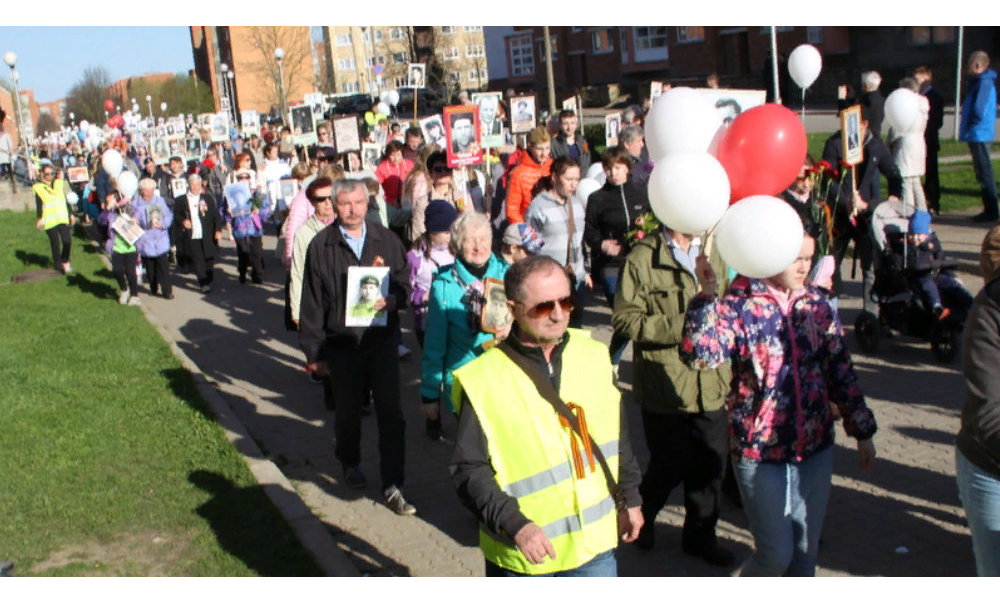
<point x="296" y="65"/>
<point x="46" y="124"/>
<point x="86" y="97"/>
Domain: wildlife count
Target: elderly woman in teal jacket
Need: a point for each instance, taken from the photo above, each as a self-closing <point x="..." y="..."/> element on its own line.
<point x="454" y="335"/>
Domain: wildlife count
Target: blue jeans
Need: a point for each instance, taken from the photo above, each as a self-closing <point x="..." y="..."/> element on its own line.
<point x="618" y="341"/>
<point x="980" y="495"/>
<point x="601" y="565"/>
<point x="786" y="504"/>
<point x="984" y="174"/>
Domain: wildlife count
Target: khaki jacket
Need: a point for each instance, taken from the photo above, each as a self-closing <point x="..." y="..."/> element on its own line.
<point x="650" y="303"/>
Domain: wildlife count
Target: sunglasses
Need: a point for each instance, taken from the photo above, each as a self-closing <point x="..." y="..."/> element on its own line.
<point x="243" y="177"/>
<point x="544" y="309"/>
<point x="322" y="199"/>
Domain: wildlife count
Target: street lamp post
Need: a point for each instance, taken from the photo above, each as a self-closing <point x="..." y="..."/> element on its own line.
<point x="224" y="91"/>
<point x="149" y="103"/>
<point x="279" y="54"/>
<point x="11" y="60"/>
<point x="232" y="95"/>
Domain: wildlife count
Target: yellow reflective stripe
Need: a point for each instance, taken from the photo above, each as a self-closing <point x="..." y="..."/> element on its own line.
<point x="573" y="523"/>
<point x="552" y="476"/>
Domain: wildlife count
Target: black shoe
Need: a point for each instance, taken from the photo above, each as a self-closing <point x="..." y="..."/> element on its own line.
<point x="711" y="553"/>
<point x="434" y="429"/>
<point x="314" y="378"/>
<point x="354" y="478"/>
<point x="647" y="536"/>
<point x="394" y="501"/>
<point x="255" y="279"/>
<point x="169" y="296"/>
<point x="984" y="217"/>
<point x="366" y="409"/>
<point x="171" y="258"/>
<point x="243" y="278"/>
<point x="206" y="289"/>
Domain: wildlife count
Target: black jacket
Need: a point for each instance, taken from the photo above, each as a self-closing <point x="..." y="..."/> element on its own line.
<point x="324" y="290"/>
<point x="163" y="184"/>
<point x="876" y="159"/>
<point x="472" y="472"/>
<point x="876" y="109"/>
<point x="979" y="435"/>
<point x="611" y="213"/>
<point x="211" y="223"/>
<point x="935" y="119"/>
<point x="560" y="148"/>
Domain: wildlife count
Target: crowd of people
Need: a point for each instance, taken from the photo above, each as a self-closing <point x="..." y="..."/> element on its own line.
<point x="739" y="380"/>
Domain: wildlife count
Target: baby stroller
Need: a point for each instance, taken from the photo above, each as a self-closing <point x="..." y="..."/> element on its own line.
<point x="900" y="306"/>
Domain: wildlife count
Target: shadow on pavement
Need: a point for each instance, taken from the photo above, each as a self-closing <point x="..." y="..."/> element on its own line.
<point x="248" y="526"/>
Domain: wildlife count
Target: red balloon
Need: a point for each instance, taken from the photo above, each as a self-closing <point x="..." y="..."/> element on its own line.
<point x="762" y="151"/>
<point x="109" y="105"/>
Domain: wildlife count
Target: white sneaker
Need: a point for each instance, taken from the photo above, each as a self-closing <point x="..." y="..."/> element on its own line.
<point x="134" y="301"/>
<point x="403" y="351"/>
<point x="67" y="268"/>
<point x="123" y="299"/>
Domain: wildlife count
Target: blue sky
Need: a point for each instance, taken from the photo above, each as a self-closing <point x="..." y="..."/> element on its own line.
<point x="51" y="59"/>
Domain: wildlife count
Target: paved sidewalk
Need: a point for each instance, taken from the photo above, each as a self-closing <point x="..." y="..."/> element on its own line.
<point x="236" y="337"/>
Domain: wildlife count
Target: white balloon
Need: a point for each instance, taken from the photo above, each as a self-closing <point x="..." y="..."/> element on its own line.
<point x="393" y="98"/>
<point x="759" y="236"/>
<point x="383" y="108"/>
<point x="804" y="65"/>
<point x="127" y="184"/>
<point x="84" y="125"/>
<point x="902" y="108"/>
<point x="111" y="161"/>
<point x="72" y="197"/>
<point x="689" y="191"/>
<point x="585" y="188"/>
<point x="596" y="172"/>
<point x="680" y="119"/>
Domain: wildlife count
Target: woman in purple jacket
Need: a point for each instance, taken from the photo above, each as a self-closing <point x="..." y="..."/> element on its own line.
<point x="790" y="363"/>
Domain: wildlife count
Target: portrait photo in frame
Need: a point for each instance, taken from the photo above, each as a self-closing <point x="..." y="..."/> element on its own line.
<point x="251" y="122"/>
<point x="365" y="286"/>
<point x="159" y="150"/>
<point x="571" y="104"/>
<point x="433" y="129"/>
<point x="612" y="126"/>
<point x="345" y="134"/>
<point x="496" y="317"/>
<point x="77" y="174"/>
<point x="655" y="89"/>
<point x="416" y="75"/>
<point x="220" y="128"/>
<point x="461" y="123"/>
<point x="490" y="124"/>
<point x="303" y="125"/>
<point x="522" y="114"/>
<point x="192" y="149"/>
<point x="850" y="135"/>
<point x="370" y="155"/>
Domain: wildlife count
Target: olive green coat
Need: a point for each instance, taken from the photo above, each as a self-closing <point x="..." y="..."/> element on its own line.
<point x="652" y="297"/>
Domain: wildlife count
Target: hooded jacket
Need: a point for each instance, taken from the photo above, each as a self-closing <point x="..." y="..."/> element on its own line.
<point x="788" y="366"/>
<point x="156" y="239"/>
<point x="611" y="212"/>
<point x="522" y="179"/>
<point x="979" y="109"/>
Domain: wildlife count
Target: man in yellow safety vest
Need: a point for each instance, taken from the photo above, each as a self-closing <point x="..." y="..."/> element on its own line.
<point x="541" y="455"/>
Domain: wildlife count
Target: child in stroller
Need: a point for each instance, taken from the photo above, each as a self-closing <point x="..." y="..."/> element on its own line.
<point x="939" y="290"/>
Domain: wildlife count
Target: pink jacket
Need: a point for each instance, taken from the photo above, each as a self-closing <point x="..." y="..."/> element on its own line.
<point x="299" y="211"/>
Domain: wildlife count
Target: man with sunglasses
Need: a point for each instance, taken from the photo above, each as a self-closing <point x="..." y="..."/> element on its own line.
<point x="54" y="215"/>
<point x="683" y="411"/>
<point x="544" y="505"/>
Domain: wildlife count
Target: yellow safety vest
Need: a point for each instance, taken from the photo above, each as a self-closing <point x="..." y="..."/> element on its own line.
<point x="54" y="211"/>
<point x="532" y="452"/>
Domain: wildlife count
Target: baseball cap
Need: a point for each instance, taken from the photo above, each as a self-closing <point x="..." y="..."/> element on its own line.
<point x="525" y="236"/>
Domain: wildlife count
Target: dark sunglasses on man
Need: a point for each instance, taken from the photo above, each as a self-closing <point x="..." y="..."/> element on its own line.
<point x="544" y="309"/>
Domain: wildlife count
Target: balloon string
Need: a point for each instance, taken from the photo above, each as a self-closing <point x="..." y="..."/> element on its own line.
<point x="710" y="239"/>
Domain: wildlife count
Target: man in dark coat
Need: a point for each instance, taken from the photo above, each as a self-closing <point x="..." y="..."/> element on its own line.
<point x="852" y="209"/>
<point x="869" y="98"/>
<point x="197" y="228"/>
<point x="935" y="119"/>
<point x="359" y="360"/>
<point x="570" y="143"/>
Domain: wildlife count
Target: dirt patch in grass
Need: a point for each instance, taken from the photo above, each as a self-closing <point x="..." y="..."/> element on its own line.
<point x="149" y="554"/>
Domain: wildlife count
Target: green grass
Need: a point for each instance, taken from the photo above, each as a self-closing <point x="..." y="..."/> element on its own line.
<point x="111" y="463"/>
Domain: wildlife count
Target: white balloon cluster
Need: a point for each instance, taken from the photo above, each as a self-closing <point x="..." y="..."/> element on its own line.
<point x="902" y="108"/>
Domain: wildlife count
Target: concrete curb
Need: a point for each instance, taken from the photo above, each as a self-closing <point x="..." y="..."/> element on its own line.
<point x="308" y="528"/>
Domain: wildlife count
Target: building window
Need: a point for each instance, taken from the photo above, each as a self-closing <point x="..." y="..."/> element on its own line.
<point x="349" y="87"/>
<point x="650" y="37"/>
<point x="447" y="30"/>
<point x="522" y="57"/>
<point x="343" y="39"/>
<point x="922" y="36"/>
<point x="397" y="33"/>
<point x="552" y="42"/>
<point x="473" y="28"/>
<point x="449" y="54"/>
<point x="690" y="34"/>
<point x="814" y="35"/>
<point x="400" y="82"/>
<point x="365" y="37"/>
<point x="400" y="57"/>
<point x="346" y="64"/>
<point x="377" y="60"/>
<point x="602" y="41"/>
<point x="474" y="51"/>
<point x="378" y="35"/>
<point x="455" y="77"/>
<point x="477" y="75"/>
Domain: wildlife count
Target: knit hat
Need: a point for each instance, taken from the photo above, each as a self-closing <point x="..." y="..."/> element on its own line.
<point x="523" y="235"/>
<point x="920" y="223"/>
<point x="439" y="215"/>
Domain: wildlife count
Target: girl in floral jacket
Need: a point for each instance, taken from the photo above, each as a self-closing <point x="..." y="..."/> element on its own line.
<point x="790" y="362"/>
